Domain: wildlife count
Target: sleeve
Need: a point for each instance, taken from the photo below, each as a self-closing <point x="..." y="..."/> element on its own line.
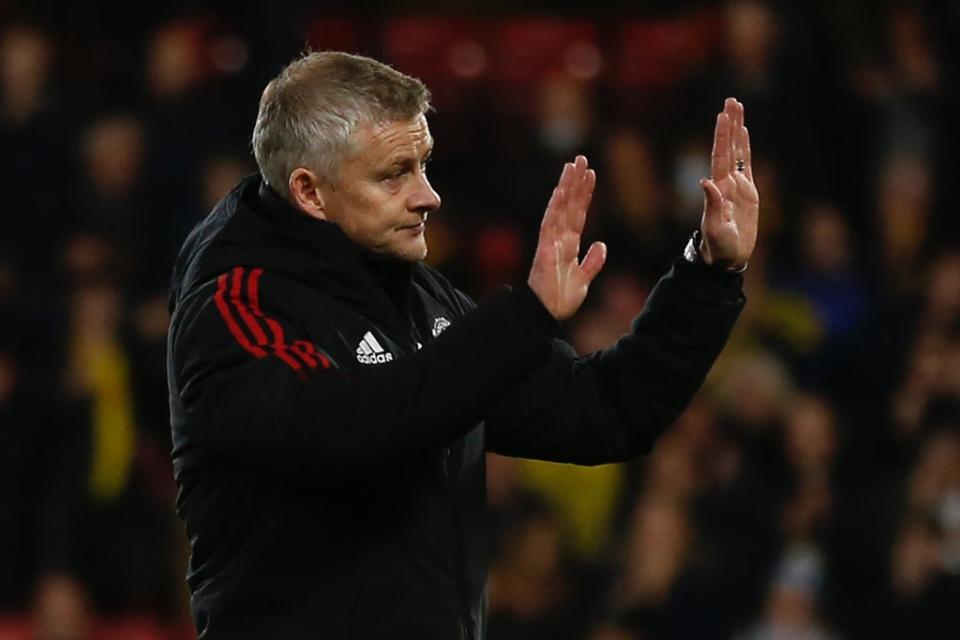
<point x="243" y="390"/>
<point x="612" y="405"/>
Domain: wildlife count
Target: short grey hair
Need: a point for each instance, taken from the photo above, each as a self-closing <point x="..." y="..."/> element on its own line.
<point x="310" y="111"/>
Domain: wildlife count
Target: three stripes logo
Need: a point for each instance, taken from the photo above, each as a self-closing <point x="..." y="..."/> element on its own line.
<point x="238" y="301"/>
<point x="369" y="351"/>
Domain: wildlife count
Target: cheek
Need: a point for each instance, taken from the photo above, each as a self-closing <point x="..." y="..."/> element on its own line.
<point x="373" y="215"/>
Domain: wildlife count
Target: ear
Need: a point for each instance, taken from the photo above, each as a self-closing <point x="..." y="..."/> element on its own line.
<point x="305" y="195"/>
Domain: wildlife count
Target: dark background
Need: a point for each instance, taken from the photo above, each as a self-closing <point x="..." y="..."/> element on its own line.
<point x="811" y="491"/>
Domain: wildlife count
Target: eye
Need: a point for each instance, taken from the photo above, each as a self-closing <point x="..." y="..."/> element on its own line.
<point x="394" y="175"/>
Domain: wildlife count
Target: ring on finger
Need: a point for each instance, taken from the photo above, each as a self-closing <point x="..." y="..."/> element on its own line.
<point x="741" y="164"/>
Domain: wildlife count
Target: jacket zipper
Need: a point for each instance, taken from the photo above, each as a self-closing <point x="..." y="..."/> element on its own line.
<point x="450" y="481"/>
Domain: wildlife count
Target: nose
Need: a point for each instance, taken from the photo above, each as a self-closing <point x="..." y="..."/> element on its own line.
<point x="423" y="199"/>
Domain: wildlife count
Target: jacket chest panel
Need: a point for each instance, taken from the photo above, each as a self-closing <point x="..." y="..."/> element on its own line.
<point x="356" y="340"/>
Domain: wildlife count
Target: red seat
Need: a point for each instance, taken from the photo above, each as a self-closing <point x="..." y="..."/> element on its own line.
<point x="122" y="628"/>
<point x="655" y="54"/>
<point x="528" y="50"/>
<point x="449" y="54"/>
<point x="129" y="628"/>
<point x="15" y="628"/>
<point x="335" y="34"/>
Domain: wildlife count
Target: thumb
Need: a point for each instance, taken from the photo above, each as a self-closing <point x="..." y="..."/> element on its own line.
<point x="593" y="261"/>
<point x="712" y="198"/>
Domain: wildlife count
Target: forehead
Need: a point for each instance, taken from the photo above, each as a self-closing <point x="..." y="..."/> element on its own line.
<point x="391" y="139"/>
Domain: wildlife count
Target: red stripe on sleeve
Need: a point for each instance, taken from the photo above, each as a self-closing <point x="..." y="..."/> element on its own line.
<point x="232" y="325"/>
<point x="305" y="350"/>
<point x="237" y="301"/>
<point x="279" y="346"/>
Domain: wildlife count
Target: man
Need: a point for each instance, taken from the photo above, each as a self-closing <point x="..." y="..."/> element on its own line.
<point x="332" y="397"/>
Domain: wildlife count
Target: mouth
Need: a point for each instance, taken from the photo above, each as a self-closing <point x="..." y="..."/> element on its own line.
<point x="420" y="226"/>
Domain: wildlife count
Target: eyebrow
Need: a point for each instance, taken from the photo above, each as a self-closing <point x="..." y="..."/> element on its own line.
<point x="404" y="160"/>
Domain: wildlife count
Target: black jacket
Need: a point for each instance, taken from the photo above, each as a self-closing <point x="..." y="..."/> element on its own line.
<point x="330" y="413"/>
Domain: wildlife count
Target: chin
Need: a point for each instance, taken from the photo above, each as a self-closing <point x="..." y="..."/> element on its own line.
<point x="411" y="254"/>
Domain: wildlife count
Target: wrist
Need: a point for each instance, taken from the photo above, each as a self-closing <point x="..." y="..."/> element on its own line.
<point x="698" y="252"/>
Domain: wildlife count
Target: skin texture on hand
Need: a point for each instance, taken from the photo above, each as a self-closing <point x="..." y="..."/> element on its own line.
<point x="731" y="205"/>
<point x="557" y="275"/>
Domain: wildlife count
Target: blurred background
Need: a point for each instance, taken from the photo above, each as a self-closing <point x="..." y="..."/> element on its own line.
<point x="811" y="491"/>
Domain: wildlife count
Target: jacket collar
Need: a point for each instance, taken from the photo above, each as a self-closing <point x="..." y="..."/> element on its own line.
<point x="392" y="276"/>
<point x="253" y="226"/>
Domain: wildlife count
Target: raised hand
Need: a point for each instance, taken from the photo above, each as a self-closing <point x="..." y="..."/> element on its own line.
<point x="731" y="203"/>
<point x="557" y="276"/>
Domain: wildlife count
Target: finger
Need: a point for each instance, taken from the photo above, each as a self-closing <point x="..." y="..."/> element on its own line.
<point x="744" y="144"/>
<point x="578" y="212"/>
<point x="720" y="156"/>
<point x="738" y="135"/>
<point x="577" y="186"/>
<point x="572" y="187"/>
<point x="733" y="109"/>
<point x="568" y="186"/>
<point x="546" y="257"/>
<point x="552" y="217"/>
<point x="593" y="261"/>
<point x="735" y="115"/>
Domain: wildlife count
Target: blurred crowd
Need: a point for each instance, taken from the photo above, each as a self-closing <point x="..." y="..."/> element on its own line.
<point x="812" y="491"/>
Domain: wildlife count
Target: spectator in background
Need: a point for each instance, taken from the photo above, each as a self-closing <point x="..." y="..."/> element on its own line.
<point x="37" y="139"/>
<point x="929" y="385"/>
<point x="827" y="279"/>
<point x="811" y="447"/>
<point x="531" y="587"/>
<point x="650" y="593"/>
<point x="561" y="121"/>
<point x="634" y="207"/>
<point x="220" y="173"/>
<point x="43" y="463"/>
<point x="753" y="60"/>
<point x="903" y="204"/>
<point x="185" y="97"/>
<point x="125" y="531"/>
<point x="738" y="511"/>
<point x="924" y="574"/>
<point x="111" y="203"/>
<point x="791" y="611"/>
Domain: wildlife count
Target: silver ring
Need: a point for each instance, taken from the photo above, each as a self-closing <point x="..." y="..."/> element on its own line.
<point x="741" y="165"/>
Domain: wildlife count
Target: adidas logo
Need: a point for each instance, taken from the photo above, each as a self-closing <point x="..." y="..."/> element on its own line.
<point x="369" y="351"/>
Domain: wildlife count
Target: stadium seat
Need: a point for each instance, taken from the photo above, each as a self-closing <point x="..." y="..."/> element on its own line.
<point x="335" y="34"/>
<point x="449" y="54"/>
<point x="528" y="48"/>
<point x="655" y="54"/>
<point x="129" y="628"/>
<point x="15" y="628"/>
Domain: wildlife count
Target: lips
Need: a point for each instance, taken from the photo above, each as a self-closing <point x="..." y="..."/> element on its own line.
<point x="418" y="225"/>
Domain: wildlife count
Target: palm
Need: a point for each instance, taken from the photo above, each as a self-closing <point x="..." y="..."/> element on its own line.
<point x="732" y="204"/>
<point x="557" y="276"/>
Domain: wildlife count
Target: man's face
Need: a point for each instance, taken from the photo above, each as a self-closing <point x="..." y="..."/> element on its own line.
<point x="381" y="196"/>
